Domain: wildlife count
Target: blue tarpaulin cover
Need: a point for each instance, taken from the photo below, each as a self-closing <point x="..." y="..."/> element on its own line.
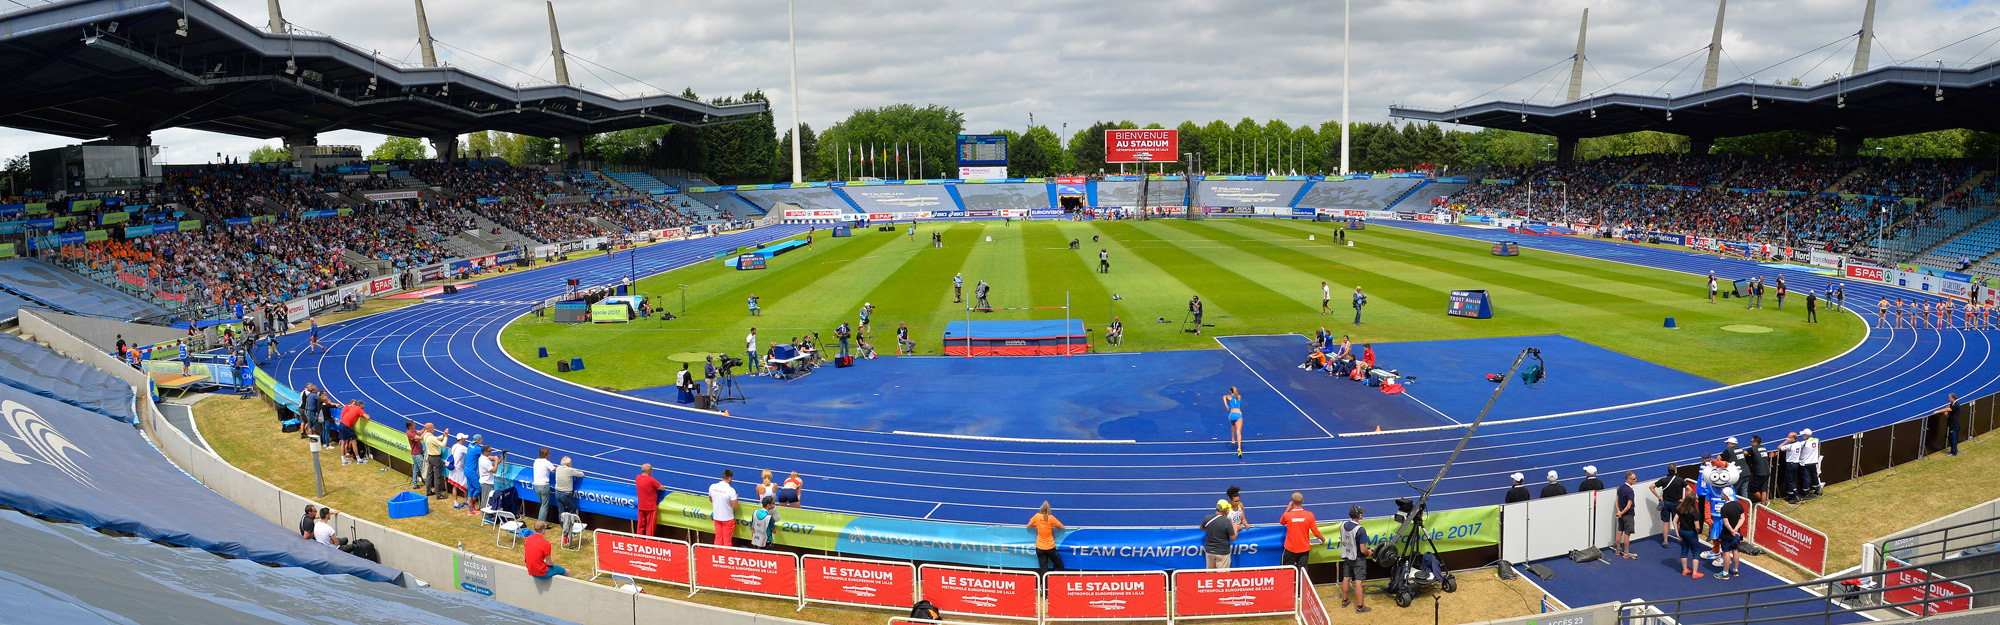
<point x="1050" y="328"/>
<point x="68" y="575"/>
<point x="70" y="292"/>
<point x="31" y="368"/>
<point x="62" y="462"/>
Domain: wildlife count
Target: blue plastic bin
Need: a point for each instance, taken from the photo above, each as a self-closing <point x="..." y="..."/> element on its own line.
<point x="408" y="504"/>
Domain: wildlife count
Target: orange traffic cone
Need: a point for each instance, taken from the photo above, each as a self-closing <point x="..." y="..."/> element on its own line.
<point x="1378" y="428"/>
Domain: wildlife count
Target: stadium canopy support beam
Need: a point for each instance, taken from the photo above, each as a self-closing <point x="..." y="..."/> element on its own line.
<point x="1708" y="76"/>
<point x="297" y="144"/>
<point x="1867" y="35"/>
<point x="1576" y="62"/>
<point x="1700" y="146"/>
<point x="572" y="147"/>
<point x="423" y="36"/>
<point x="1565" y="149"/>
<point x="277" y="18"/>
<point x="1846" y="146"/>
<point x="446" y="146"/>
<point x="555" y="47"/>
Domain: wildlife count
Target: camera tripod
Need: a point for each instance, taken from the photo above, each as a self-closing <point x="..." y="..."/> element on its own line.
<point x="727" y="390"/>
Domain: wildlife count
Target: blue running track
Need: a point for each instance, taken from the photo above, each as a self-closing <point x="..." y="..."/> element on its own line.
<point x="441" y="361"/>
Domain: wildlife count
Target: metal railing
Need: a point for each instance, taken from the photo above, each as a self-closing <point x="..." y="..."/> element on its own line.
<point x="1835" y="597"/>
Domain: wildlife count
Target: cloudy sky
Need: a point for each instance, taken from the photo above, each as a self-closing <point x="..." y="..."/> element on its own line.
<point x="1077" y="62"/>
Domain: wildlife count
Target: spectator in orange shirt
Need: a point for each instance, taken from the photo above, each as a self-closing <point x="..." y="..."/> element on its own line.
<point x="350" y="418"/>
<point x="539" y="556"/>
<point x="1298" y="522"/>
<point x="1045" y="526"/>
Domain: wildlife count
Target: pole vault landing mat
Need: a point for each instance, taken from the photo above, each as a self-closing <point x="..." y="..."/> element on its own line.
<point x="1016" y="338"/>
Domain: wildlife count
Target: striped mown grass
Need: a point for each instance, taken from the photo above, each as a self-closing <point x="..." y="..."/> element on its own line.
<point x="1257" y="276"/>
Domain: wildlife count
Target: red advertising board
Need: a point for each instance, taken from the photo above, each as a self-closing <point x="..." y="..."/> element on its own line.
<point x="1106" y="596"/>
<point x="1944" y="596"/>
<point x="1789" y="540"/>
<point x="1311" y="610"/>
<point x="643" y="557"/>
<point x="997" y="594"/>
<point x="381" y="285"/>
<point x="1134" y="146"/>
<point x="1864" y="272"/>
<point x="1236" y="592"/>
<point x="860" y="582"/>
<point x="1070" y="179"/>
<point x="881" y="216"/>
<point x="746" y="571"/>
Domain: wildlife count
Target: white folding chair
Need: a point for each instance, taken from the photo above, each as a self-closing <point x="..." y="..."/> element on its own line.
<point x="626" y="583"/>
<point x="505" y="524"/>
<point x="572" y="527"/>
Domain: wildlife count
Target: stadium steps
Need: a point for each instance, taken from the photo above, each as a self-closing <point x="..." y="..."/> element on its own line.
<point x="1407" y="194"/>
<point x="506" y="237"/>
<point x="1950" y="225"/>
<point x="376" y="267"/>
<point x="1842" y="181"/>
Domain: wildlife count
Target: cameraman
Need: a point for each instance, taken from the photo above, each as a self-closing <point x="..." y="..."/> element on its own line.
<point x="1359" y="301"/>
<point x="708" y="374"/>
<point x="844" y="333"/>
<point x="1194" y="308"/>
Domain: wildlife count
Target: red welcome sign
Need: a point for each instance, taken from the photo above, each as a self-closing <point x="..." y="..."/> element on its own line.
<point x="1136" y="146"/>
<point x="998" y="594"/>
<point x="1236" y="592"/>
<point x="643" y="557"/>
<point x="852" y="581"/>
<point x="747" y="571"/>
<point x="1107" y="596"/>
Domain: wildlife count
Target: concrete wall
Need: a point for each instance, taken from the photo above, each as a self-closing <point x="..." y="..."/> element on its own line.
<point x="570" y="598"/>
<point x="103" y="333"/>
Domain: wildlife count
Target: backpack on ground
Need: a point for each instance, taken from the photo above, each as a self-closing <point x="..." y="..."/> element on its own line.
<point x="924" y="611"/>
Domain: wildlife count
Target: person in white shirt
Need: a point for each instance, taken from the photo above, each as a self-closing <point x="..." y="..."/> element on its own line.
<point x="544" y="493"/>
<point x="488" y="465"/>
<point x="722" y="498"/>
<point x="1325" y="298"/>
<point x="456" y="475"/>
<point x="750" y="348"/>
<point x="1793" y="472"/>
<point x="323" y="528"/>
<point x="1809" y="463"/>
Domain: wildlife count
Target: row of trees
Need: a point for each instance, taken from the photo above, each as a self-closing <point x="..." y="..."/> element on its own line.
<point x="906" y="140"/>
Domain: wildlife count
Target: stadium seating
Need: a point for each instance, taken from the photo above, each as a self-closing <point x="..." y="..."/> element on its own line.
<point x="1975" y="243"/>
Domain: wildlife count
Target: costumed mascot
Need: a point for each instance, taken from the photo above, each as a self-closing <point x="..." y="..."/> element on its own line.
<point x="1716" y="487"/>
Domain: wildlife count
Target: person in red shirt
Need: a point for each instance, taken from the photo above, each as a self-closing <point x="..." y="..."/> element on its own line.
<point x="1298" y="522"/>
<point x="416" y="439"/>
<point x="540" y="560"/>
<point x="350" y="418"/>
<point x="648" y="501"/>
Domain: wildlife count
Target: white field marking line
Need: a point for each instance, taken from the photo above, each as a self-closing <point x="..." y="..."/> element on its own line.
<point x="1006" y="439"/>
<point x="1406" y="393"/>
<point x="934" y="510"/>
<point x="1857" y="345"/>
<point x="1273" y="387"/>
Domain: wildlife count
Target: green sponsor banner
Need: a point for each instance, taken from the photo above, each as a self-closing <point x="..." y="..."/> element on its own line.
<point x="1452" y="530"/>
<point x="84" y="205"/>
<point x="378" y="168"/>
<point x="600" y="312"/>
<point x="97" y="235"/>
<point x="37" y="208"/>
<point x="113" y="218"/>
<point x="388" y="439"/>
<point x="190" y="225"/>
<point x="344" y="212"/>
<point x="6" y="250"/>
<point x="66" y="220"/>
<point x="798" y="528"/>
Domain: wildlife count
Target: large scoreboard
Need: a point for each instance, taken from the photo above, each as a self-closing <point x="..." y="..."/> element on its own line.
<point x="982" y="150"/>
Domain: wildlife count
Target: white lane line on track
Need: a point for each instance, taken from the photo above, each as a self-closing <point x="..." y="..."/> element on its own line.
<point x="1273" y="387"/>
<point x="934" y="510"/>
<point x="1406" y="393"/>
<point x="1005" y="439"/>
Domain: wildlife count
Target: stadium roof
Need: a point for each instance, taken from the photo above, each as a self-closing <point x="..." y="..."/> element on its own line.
<point x="1882" y="102"/>
<point x="114" y="68"/>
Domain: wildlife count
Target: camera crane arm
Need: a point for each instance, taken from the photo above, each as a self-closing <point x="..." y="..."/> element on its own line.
<point x="1467" y="438"/>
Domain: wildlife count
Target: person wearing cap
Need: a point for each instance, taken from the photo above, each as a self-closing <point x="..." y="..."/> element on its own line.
<point x="1518" y="493"/>
<point x="489" y="468"/>
<point x="1759" y="480"/>
<point x="454" y="464"/>
<point x="1794" y="487"/>
<point x="1809" y="463"/>
<point x="1218" y="534"/>
<point x="1733" y="454"/>
<point x="565" y="486"/>
<point x="1354" y="554"/>
<point x="474" y="450"/>
<point x="434" y="446"/>
<point x="1590" y="481"/>
<point x="1554" y="488"/>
